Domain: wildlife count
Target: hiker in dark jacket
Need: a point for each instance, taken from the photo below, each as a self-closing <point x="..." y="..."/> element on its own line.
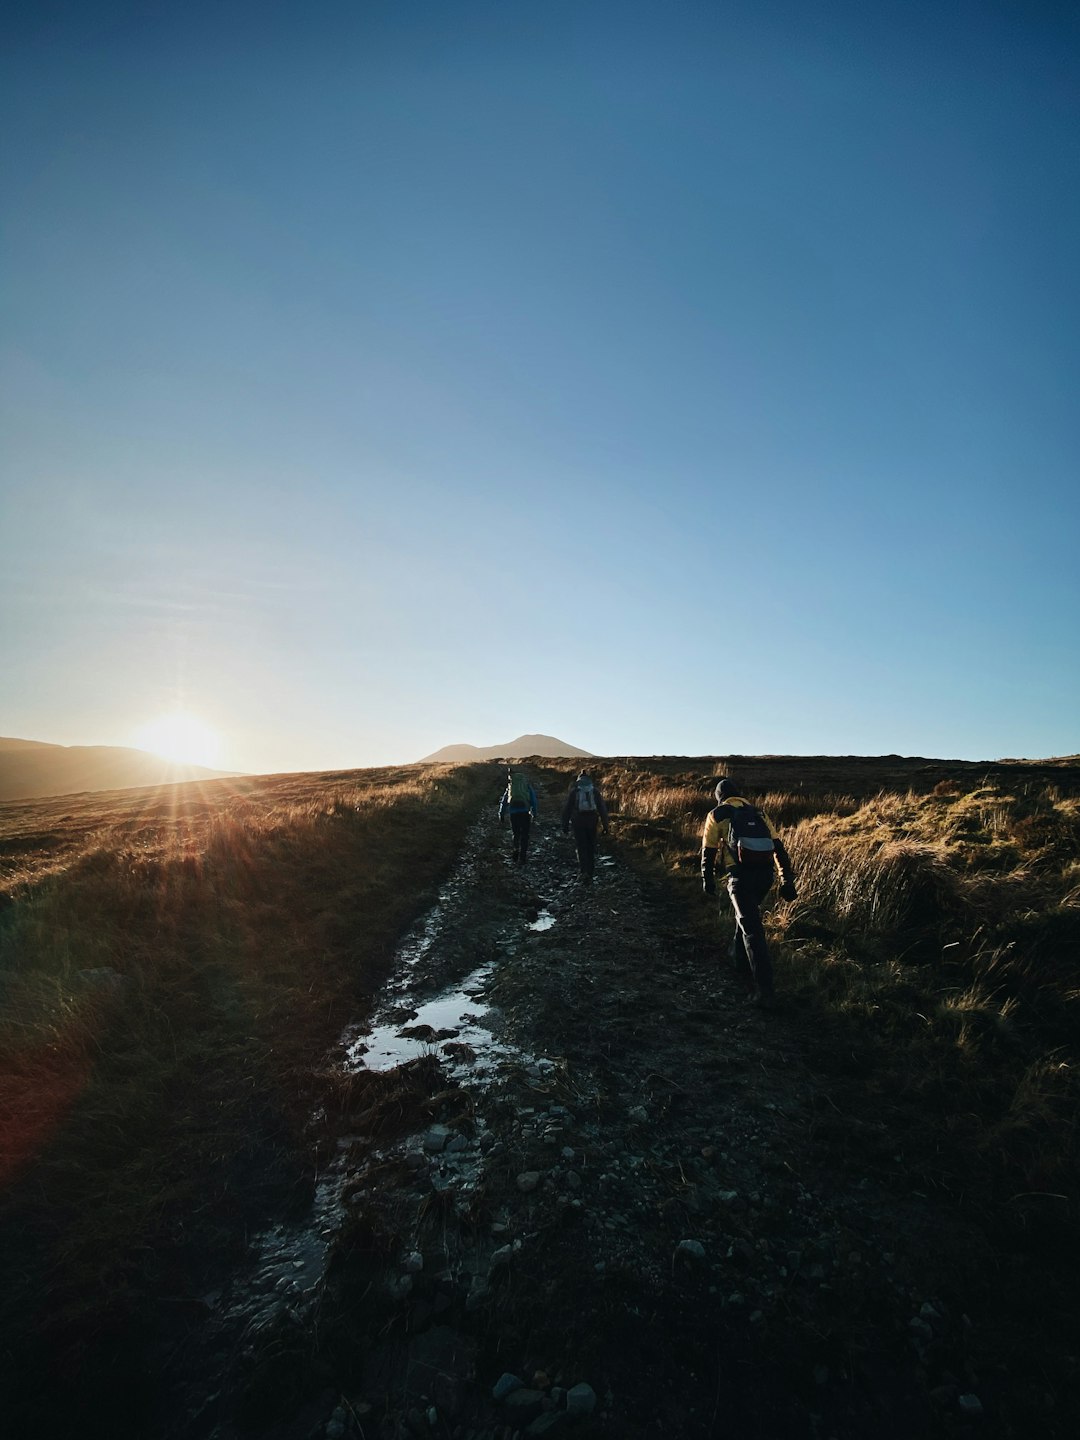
<point x="740" y="842"/>
<point x="519" y="802"/>
<point x="584" y="810"/>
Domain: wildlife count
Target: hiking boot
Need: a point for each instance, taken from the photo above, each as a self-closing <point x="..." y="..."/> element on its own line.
<point x="764" y="1000"/>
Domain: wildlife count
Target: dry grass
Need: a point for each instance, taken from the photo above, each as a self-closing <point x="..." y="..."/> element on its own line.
<point x="171" y="965"/>
<point x="934" y="949"/>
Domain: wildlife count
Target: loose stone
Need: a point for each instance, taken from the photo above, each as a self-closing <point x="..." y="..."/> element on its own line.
<point x="581" y="1400"/>
<point x="690" y="1250"/>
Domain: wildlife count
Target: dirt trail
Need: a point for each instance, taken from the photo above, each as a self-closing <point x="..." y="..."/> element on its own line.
<point x="624" y="1205"/>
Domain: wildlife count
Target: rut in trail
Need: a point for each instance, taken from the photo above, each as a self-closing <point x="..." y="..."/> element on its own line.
<point x="609" y="1179"/>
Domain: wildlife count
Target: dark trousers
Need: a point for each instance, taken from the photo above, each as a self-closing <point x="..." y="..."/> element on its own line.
<point x="751" y="950"/>
<point x="519" y="828"/>
<point x="585" y="842"/>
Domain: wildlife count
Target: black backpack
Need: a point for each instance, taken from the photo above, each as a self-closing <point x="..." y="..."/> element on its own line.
<point x="748" y="835"/>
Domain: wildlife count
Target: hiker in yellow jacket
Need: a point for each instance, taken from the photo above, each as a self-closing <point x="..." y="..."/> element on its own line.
<point x="740" y="841"/>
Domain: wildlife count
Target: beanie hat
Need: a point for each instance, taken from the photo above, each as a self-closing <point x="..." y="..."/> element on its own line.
<point x="726" y="787"/>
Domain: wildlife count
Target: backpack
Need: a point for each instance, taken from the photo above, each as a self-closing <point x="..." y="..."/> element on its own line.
<point x="748" y="836"/>
<point x="586" y="797"/>
<point x="519" y="790"/>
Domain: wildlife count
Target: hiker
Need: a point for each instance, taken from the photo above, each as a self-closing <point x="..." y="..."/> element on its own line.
<point x="584" y="810"/>
<point x="740" y="840"/>
<point x="519" y="802"/>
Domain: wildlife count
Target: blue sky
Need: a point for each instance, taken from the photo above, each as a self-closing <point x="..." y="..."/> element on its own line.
<point x="674" y="377"/>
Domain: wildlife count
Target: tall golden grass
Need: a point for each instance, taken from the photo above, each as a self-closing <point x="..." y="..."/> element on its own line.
<point x="934" y="949"/>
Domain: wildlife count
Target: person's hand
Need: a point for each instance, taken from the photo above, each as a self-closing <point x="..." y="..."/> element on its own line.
<point x="605" y="830"/>
<point x="788" y="891"/>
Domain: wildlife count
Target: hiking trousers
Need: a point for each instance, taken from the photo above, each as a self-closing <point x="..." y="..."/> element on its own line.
<point x="752" y="961"/>
<point x="520" y="825"/>
<point x="585" y="844"/>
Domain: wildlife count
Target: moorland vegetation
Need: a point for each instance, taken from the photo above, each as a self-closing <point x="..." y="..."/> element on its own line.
<point x="174" y="964"/>
<point x="931" y="966"/>
<point x="935" y="948"/>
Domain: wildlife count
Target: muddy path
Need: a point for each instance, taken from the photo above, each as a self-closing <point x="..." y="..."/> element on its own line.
<point x="569" y="1180"/>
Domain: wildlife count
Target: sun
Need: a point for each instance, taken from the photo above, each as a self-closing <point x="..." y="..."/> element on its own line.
<point x="181" y="737"/>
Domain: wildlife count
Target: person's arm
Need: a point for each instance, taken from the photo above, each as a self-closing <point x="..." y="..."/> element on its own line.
<point x="710" y="842"/>
<point x="568" y="807"/>
<point x="782" y="860"/>
<point x="532" y="803"/>
<point x="504" y="802"/>
<point x="787" y="875"/>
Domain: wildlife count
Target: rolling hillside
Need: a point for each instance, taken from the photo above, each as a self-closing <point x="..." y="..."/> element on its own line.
<point x="30" y="768"/>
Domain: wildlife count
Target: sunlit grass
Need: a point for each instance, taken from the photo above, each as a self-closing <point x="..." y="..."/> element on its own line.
<point x="934" y="949"/>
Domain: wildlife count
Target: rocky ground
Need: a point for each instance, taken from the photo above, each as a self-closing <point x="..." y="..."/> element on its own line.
<point x="623" y="1220"/>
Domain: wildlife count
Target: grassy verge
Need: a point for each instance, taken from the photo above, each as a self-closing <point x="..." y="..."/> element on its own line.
<point x="932" y="967"/>
<point x="171" y="966"/>
<point x="937" y="934"/>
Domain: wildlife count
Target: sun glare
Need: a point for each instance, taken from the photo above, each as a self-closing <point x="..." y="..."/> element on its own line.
<point x="181" y="737"/>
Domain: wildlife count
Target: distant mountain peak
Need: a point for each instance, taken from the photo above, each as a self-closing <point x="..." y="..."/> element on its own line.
<point x="546" y="746"/>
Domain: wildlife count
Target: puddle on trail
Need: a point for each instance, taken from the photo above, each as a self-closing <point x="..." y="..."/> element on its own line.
<point x="456" y="1018"/>
<point x="448" y="1023"/>
<point x="456" y="1023"/>
<point x="288" y="1262"/>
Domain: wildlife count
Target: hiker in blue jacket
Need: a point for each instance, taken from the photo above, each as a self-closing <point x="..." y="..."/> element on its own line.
<point x="585" y="810"/>
<point x="519" y="802"/>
